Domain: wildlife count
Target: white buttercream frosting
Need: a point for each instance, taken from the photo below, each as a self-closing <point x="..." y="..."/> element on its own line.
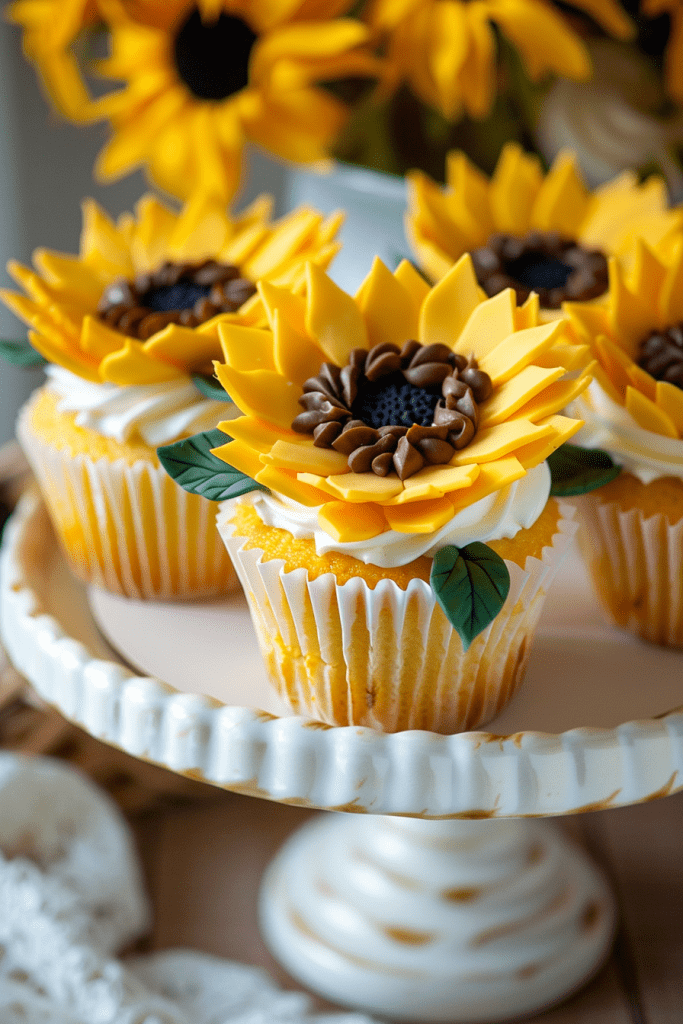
<point x="501" y="514"/>
<point x="156" y="413"/>
<point x="648" y="456"/>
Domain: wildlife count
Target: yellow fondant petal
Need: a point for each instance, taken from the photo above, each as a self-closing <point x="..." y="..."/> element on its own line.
<point x="669" y="398"/>
<point x="554" y="398"/>
<point x="515" y="393"/>
<point x="131" y="365"/>
<point x="262" y="393"/>
<point x="490" y="323"/>
<point x="304" y="457"/>
<point x="290" y="306"/>
<point x="183" y="346"/>
<point x="333" y="320"/>
<point x="648" y="415"/>
<point x="519" y="349"/>
<point x="256" y="433"/>
<point x="643" y="381"/>
<point x="97" y="339"/>
<point x="55" y="353"/>
<point x="449" y="305"/>
<point x="493" y="476"/>
<point x="389" y="311"/>
<point x="433" y="482"/>
<point x="246" y="348"/>
<point x="514" y="187"/>
<point x="347" y="524"/>
<point x="240" y="456"/>
<point x="296" y="357"/>
<point x="413" y="282"/>
<point x="562" y="199"/>
<point x="495" y="442"/>
<point x="290" y="486"/>
<point x="421" y="517"/>
<point x="357" y="487"/>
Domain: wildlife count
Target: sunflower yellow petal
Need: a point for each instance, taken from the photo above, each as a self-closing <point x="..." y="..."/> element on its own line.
<point x="514" y="187"/>
<point x="413" y="282"/>
<point x="490" y="323"/>
<point x="615" y="363"/>
<point x="239" y="456"/>
<point x="151" y="234"/>
<point x="284" y="301"/>
<point x="246" y="348"/>
<point x="296" y="357"/>
<point x="518" y="350"/>
<point x="346" y="523"/>
<point x="389" y="311"/>
<point x="257" y="434"/>
<point x="527" y="314"/>
<point x="515" y="393"/>
<point x="69" y="273"/>
<point x="288" y="238"/>
<point x="669" y="398"/>
<point x="562" y="199"/>
<point x="263" y="394"/>
<point x="70" y="360"/>
<point x="565" y="354"/>
<point x="420" y="517"/>
<point x="534" y="454"/>
<point x="290" y="485"/>
<point x="632" y="318"/>
<point x="553" y="398"/>
<point x="98" y="340"/>
<point x="495" y="442"/>
<point x="101" y="244"/>
<point x="184" y="347"/>
<point x="642" y="380"/>
<point x="305" y="457"/>
<point x="37" y="288"/>
<point x="648" y="415"/>
<point x="671" y="301"/>
<point x="200" y="230"/>
<point x="433" y="482"/>
<point x="132" y="365"/>
<point x="357" y="487"/>
<point x="333" y="320"/>
<point x="449" y="305"/>
<point x="493" y="476"/>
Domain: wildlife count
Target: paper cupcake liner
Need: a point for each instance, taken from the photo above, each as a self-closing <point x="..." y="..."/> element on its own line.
<point x="637" y="568"/>
<point x="388" y="658"/>
<point x="129" y="528"/>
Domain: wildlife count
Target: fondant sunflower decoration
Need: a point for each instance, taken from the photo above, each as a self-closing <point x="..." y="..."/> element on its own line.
<point x="534" y="232"/>
<point x="143" y="300"/>
<point x="637" y="339"/>
<point x="446" y="49"/>
<point x="50" y="28"/>
<point x="396" y="408"/>
<point x="203" y="78"/>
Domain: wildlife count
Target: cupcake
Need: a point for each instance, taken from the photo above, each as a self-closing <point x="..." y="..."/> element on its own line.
<point x="129" y="328"/>
<point x="633" y="539"/>
<point x="530" y="231"/>
<point x="389" y="512"/>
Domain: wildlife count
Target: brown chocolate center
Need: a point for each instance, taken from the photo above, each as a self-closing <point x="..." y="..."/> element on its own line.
<point x="392" y="409"/>
<point x="661" y="355"/>
<point x="558" y="269"/>
<point x="177" y="293"/>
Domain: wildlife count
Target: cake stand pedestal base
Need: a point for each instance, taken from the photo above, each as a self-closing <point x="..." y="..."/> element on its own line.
<point x="458" y="921"/>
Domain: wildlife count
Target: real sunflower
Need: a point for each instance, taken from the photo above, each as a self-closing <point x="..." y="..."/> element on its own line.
<point x="309" y="356"/>
<point x="532" y="231"/>
<point x="673" y="59"/>
<point x="202" y="78"/>
<point x="142" y="301"/>
<point x="446" y="49"/>
<point x="637" y="339"/>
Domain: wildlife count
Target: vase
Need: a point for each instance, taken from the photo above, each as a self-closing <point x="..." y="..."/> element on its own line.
<point x="374" y="204"/>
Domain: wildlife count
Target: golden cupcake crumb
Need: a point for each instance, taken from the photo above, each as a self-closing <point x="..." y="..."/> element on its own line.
<point x="663" y="496"/>
<point x="299" y="553"/>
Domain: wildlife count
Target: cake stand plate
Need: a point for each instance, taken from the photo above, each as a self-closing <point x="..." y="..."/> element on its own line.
<point x="460" y="919"/>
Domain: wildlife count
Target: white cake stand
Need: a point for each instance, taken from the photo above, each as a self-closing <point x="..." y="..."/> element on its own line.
<point x="441" y="902"/>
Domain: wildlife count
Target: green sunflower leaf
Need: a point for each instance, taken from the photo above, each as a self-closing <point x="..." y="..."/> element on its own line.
<point x="576" y="470"/>
<point x="471" y="585"/>
<point x="210" y="388"/>
<point x="20" y="353"/>
<point x="196" y="470"/>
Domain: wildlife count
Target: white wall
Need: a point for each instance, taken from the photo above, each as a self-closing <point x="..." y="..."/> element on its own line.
<point x="45" y="171"/>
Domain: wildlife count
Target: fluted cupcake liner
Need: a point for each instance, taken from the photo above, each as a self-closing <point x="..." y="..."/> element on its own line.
<point x="129" y="528"/>
<point x="385" y="657"/>
<point x="636" y="563"/>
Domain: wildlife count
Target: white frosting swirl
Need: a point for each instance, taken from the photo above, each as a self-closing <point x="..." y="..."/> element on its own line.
<point x="157" y="413"/>
<point x="646" y="455"/>
<point x="501" y="514"/>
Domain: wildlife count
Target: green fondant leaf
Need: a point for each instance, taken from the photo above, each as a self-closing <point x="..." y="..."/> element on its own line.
<point x="210" y="388"/>
<point x="20" y="353"/>
<point x="576" y="470"/>
<point x="192" y="465"/>
<point x="471" y="585"/>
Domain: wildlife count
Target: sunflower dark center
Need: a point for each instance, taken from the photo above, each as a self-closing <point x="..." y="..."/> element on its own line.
<point x="177" y="293"/>
<point x="392" y="401"/>
<point x="556" y="268"/>
<point x="661" y="355"/>
<point x="212" y="58"/>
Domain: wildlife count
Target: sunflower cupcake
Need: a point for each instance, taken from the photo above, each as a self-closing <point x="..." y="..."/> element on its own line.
<point x="634" y="411"/>
<point x="534" y="232"/>
<point x="390" y="518"/>
<point x="129" y="328"/>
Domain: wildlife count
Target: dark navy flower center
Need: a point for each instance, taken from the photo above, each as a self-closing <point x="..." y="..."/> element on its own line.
<point x="392" y="401"/>
<point x="536" y="271"/>
<point x="169" y="297"/>
<point x="212" y="57"/>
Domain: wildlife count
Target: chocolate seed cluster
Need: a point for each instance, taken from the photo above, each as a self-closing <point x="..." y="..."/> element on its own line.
<point x="178" y="293"/>
<point x="427" y="396"/>
<point x="558" y="269"/>
<point x="661" y="355"/>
